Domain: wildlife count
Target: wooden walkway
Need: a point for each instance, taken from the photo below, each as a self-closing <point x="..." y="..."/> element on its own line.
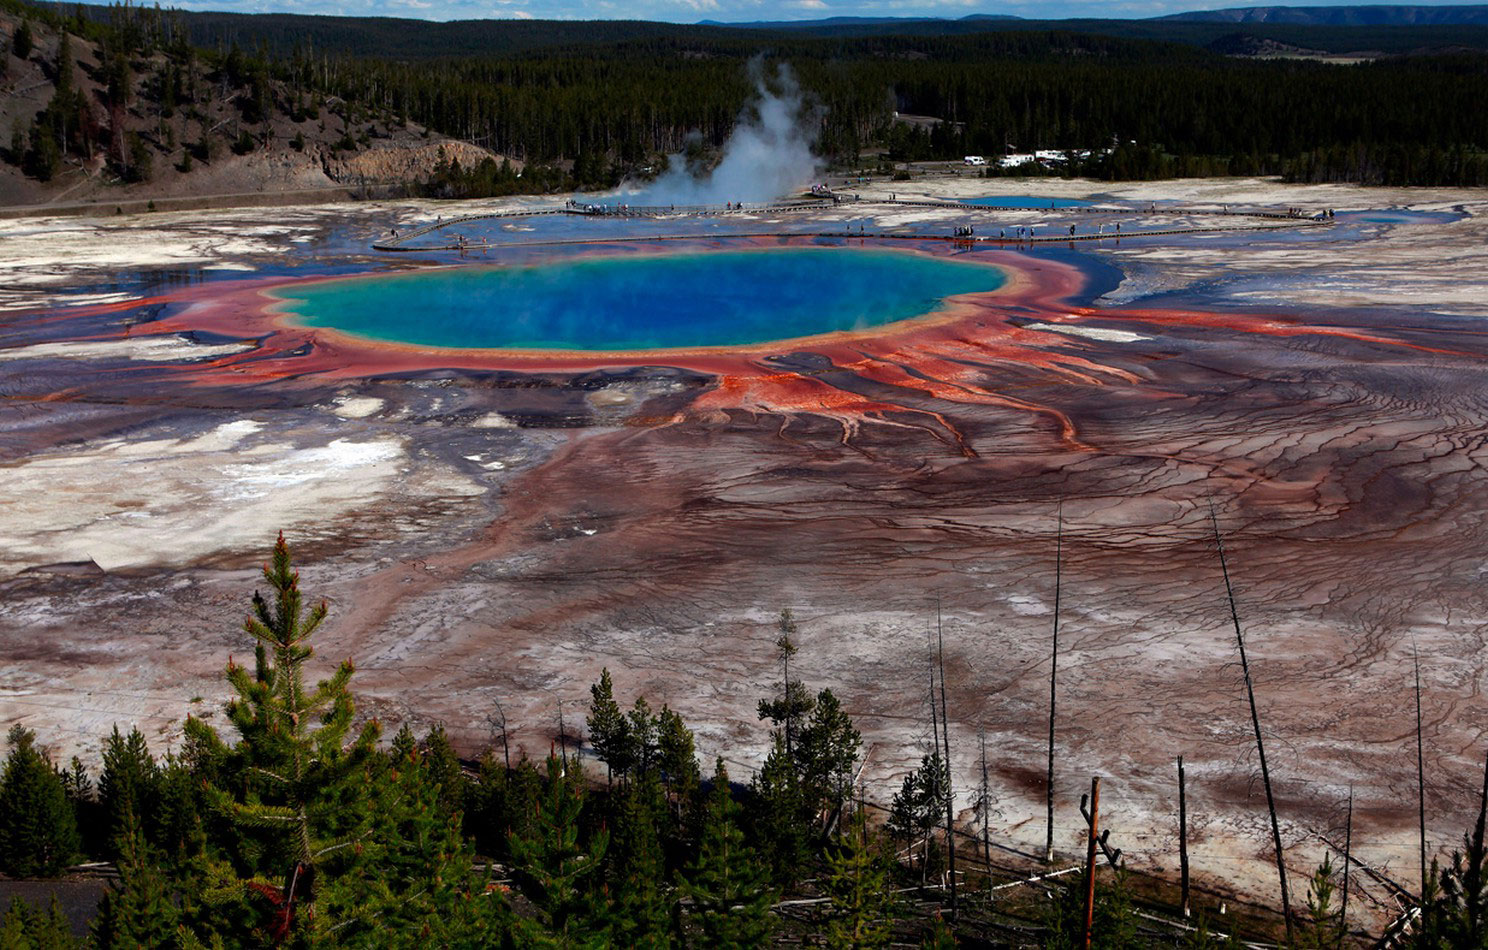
<point x="1273" y="220"/>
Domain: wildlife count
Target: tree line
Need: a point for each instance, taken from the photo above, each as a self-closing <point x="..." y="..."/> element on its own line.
<point x="614" y="106"/>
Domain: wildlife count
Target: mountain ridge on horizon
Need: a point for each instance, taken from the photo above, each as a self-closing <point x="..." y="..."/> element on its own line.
<point x="1344" y="15"/>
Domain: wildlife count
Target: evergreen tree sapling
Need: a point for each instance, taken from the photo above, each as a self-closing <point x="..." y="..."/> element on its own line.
<point x="139" y="909"/>
<point x="558" y="871"/>
<point x="1321" y="930"/>
<point x="727" y="887"/>
<point x="298" y="799"/>
<point x="858" y="883"/>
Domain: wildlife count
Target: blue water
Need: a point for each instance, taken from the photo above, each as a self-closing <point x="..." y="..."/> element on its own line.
<point x="1027" y="201"/>
<point x="1398" y="216"/>
<point x="715" y="298"/>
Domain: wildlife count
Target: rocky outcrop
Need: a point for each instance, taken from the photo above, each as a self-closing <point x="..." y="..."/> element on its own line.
<point x="401" y="163"/>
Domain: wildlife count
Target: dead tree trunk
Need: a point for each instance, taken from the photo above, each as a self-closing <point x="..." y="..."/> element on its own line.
<point x="1348" y="846"/>
<point x="1183" y="837"/>
<point x="1090" y="845"/>
<point x="945" y="738"/>
<point x="1255" y="722"/>
<point x="986" y="815"/>
<point x="1053" y="678"/>
<point x="1420" y="772"/>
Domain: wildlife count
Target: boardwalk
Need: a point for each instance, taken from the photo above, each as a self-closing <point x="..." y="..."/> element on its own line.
<point x="1247" y="220"/>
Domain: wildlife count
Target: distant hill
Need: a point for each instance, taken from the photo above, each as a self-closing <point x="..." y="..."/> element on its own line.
<point x="1380" y="15"/>
<point x="410" y="39"/>
<point x="831" y="23"/>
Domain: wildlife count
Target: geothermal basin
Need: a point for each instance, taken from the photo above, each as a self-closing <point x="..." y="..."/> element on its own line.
<point x="502" y="487"/>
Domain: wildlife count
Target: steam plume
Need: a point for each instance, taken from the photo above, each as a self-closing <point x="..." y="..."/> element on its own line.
<point x="767" y="155"/>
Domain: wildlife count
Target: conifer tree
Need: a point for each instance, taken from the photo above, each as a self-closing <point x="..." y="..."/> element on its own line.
<point x="298" y="799"/>
<point x="25" y="40"/>
<point x="640" y="902"/>
<point x="857" y="881"/>
<point x="28" y="927"/>
<point x="442" y="767"/>
<point x="1321" y="930"/>
<point x="138" y="910"/>
<point x="727" y="885"/>
<point x="559" y="871"/>
<point x="427" y="863"/>
<point x="485" y="806"/>
<point x="939" y="937"/>
<point x="677" y="753"/>
<point x="13" y="924"/>
<point x="1460" y="912"/>
<point x="609" y="728"/>
<point x="85" y="807"/>
<point x="828" y="751"/>
<point x="794" y="704"/>
<point x="642" y="727"/>
<point x="130" y="783"/>
<point x="1115" y="926"/>
<point x="38" y="831"/>
<point x="781" y="815"/>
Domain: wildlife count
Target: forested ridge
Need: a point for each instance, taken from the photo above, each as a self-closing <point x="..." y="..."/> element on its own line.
<point x="611" y="105"/>
<point x="284" y="820"/>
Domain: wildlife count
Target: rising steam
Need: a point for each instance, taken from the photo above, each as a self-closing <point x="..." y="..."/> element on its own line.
<point x="767" y="155"/>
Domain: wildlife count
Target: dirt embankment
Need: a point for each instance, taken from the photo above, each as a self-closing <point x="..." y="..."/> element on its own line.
<point x="401" y="163"/>
<point x="213" y="142"/>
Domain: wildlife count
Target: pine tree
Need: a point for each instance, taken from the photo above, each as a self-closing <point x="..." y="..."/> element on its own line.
<point x="27" y="927"/>
<point x="25" y="40"/>
<point x="442" y="766"/>
<point x="609" y="728"/>
<point x="727" y="885"/>
<point x="641" y="725"/>
<point x="85" y="807"/>
<point x="782" y="818"/>
<point x="857" y="881"/>
<point x="138" y="911"/>
<point x="1322" y="929"/>
<point x="298" y="799"/>
<point x="130" y="783"/>
<point x="1461" y="911"/>
<point x="13" y="925"/>
<point x="794" y="703"/>
<point x="559" y="871"/>
<point x="677" y="754"/>
<point x="1115" y="925"/>
<point x="940" y="936"/>
<point x="681" y="780"/>
<point x="38" y="831"/>
<point x="828" y="751"/>
<point x="485" y="806"/>
<point x="640" y="904"/>
<point x="427" y="864"/>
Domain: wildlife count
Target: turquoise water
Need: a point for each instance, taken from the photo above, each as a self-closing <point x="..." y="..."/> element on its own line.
<point x="1027" y="201"/>
<point x="716" y="298"/>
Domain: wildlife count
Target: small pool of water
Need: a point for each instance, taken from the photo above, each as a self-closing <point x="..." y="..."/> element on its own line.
<point x="705" y="299"/>
<point x="1027" y="201"/>
<point x="1398" y="216"/>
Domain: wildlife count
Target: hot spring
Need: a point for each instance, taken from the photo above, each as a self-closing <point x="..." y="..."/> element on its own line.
<point x="642" y="302"/>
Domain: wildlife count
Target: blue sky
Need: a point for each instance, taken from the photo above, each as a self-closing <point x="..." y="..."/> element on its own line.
<point x="690" y="11"/>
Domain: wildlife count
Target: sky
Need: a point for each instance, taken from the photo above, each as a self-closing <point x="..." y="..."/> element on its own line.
<point x="691" y="11"/>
